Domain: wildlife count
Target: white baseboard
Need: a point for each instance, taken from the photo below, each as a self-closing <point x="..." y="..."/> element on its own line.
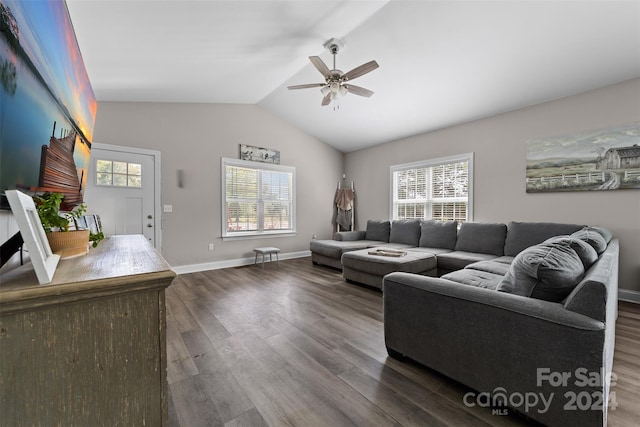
<point x="629" y="296"/>
<point x="239" y="262"/>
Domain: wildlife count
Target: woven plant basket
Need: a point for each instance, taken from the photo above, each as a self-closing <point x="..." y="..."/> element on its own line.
<point x="68" y="244"/>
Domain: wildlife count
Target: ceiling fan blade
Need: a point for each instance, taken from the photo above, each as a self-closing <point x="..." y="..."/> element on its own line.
<point x="320" y="66"/>
<point x="357" y="90"/>
<point x="361" y="70"/>
<point x="326" y="100"/>
<point x="307" y="86"/>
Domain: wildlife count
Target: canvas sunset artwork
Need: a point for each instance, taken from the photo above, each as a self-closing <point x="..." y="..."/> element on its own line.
<point x="46" y="99"/>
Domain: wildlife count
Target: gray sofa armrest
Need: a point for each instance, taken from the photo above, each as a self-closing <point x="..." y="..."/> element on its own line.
<point x="350" y="236"/>
<point x="600" y="285"/>
<point x="489" y="340"/>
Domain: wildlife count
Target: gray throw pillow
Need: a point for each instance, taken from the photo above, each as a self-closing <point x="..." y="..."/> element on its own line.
<point x="378" y="230"/>
<point x="592" y="237"/>
<point x="480" y="237"/>
<point x="438" y="234"/>
<point x="548" y="271"/>
<point x="585" y="251"/>
<point x="604" y="232"/>
<point x="406" y="231"/>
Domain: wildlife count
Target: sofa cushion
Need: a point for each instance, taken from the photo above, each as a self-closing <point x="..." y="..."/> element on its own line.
<point x="457" y="260"/>
<point x="492" y="266"/>
<point x="592" y="237"/>
<point x="435" y="251"/>
<point x="521" y="235"/>
<point x="584" y="250"/>
<point x="405" y="231"/>
<point x="400" y="246"/>
<point x="477" y="278"/>
<point x="438" y="234"/>
<point x="484" y="238"/>
<point x="378" y="230"/>
<point x="350" y="236"/>
<point x="335" y="248"/>
<point x="548" y="271"/>
<point x="505" y="259"/>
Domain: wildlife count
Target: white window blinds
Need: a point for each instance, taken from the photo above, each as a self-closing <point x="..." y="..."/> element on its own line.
<point x="433" y="189"/>
<point x="258" y="198"/>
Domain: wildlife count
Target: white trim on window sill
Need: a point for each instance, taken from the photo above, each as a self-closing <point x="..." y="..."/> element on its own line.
<point x="248" y="236"/>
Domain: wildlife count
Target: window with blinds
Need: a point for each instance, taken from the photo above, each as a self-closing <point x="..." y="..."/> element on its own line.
<point x="259" y="198"/>
<point x="438" y="189"/>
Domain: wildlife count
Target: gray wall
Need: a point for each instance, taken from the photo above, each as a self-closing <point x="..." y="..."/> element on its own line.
<point x="499" y="144"/>
<point x="194" y="137"/>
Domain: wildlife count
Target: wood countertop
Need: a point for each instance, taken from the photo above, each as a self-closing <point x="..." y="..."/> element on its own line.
<point x="119" y="264"/>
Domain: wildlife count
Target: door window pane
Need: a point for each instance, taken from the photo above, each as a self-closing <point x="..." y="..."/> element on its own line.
<point x="111" y="173"/>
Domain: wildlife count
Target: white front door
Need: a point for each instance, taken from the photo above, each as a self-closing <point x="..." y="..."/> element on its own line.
<point x="121" y="190"/>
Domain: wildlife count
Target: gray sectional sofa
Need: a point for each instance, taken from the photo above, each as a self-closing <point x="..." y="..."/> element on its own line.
<point x="524" y="313"/>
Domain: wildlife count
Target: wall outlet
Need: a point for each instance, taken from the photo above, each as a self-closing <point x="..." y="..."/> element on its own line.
<point x="211" y="246"/>
<point x="167" y="208"/>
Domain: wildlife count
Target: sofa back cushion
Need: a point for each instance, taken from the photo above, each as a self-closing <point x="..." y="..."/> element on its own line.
<point x="438" y="234"/>
<point x="406" y="231"/>
<point x="548" y="271"/>
<point x="481" y="237"/>
<point x="521" y="235"/>
<point x="378" y="230"/>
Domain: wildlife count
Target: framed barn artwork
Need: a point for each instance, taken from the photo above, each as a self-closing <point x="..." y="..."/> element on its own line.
<point x="259" y="154"/>
<point x="604" y="159"/>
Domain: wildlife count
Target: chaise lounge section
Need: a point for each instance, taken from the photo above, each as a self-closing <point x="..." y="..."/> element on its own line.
<point x="329" y="252"/>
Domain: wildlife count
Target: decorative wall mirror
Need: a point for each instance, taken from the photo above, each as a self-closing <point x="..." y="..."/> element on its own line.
<point x="44" y="261"/>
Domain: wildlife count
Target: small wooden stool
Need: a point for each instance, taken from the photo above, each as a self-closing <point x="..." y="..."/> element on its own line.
<point x="263" y="251"/>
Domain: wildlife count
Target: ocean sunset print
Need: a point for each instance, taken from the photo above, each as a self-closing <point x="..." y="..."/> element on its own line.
<point x="45" y="92"/>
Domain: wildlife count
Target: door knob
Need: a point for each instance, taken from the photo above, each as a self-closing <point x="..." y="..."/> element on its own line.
<point x="149" y="225"/>
<point x="149" y="217"/>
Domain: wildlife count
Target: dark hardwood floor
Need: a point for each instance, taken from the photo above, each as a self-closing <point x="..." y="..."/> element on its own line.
<point x="294" y="345"/>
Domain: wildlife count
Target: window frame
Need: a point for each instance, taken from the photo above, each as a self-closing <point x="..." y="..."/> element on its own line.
<point x="113" y="174"/>
<point x="429" y="163"/>
<point x="261" y="232"/>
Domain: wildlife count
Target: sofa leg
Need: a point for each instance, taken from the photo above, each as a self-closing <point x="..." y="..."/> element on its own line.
<point x="396" y="355"/>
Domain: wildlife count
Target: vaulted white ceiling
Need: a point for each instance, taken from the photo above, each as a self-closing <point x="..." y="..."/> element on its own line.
<point x="441" y="62"/>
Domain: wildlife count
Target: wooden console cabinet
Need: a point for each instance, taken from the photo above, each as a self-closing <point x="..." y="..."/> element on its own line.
<point x="89" y="349"/>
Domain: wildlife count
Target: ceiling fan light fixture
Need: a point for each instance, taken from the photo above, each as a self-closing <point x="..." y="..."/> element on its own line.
<point x="334" y="86"/>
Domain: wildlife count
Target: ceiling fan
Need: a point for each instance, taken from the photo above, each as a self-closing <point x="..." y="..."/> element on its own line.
<point x="336" y="82"/>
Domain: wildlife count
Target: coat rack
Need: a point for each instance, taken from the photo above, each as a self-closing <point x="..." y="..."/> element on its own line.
<point x="344" y="202"/>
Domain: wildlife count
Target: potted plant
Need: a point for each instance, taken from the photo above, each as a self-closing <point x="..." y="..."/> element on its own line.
<point x="64" y="242"/>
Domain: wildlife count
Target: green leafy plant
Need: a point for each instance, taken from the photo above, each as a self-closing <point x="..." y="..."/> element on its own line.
<point x="95" y="238"/>
<point x="48" y="207"/>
